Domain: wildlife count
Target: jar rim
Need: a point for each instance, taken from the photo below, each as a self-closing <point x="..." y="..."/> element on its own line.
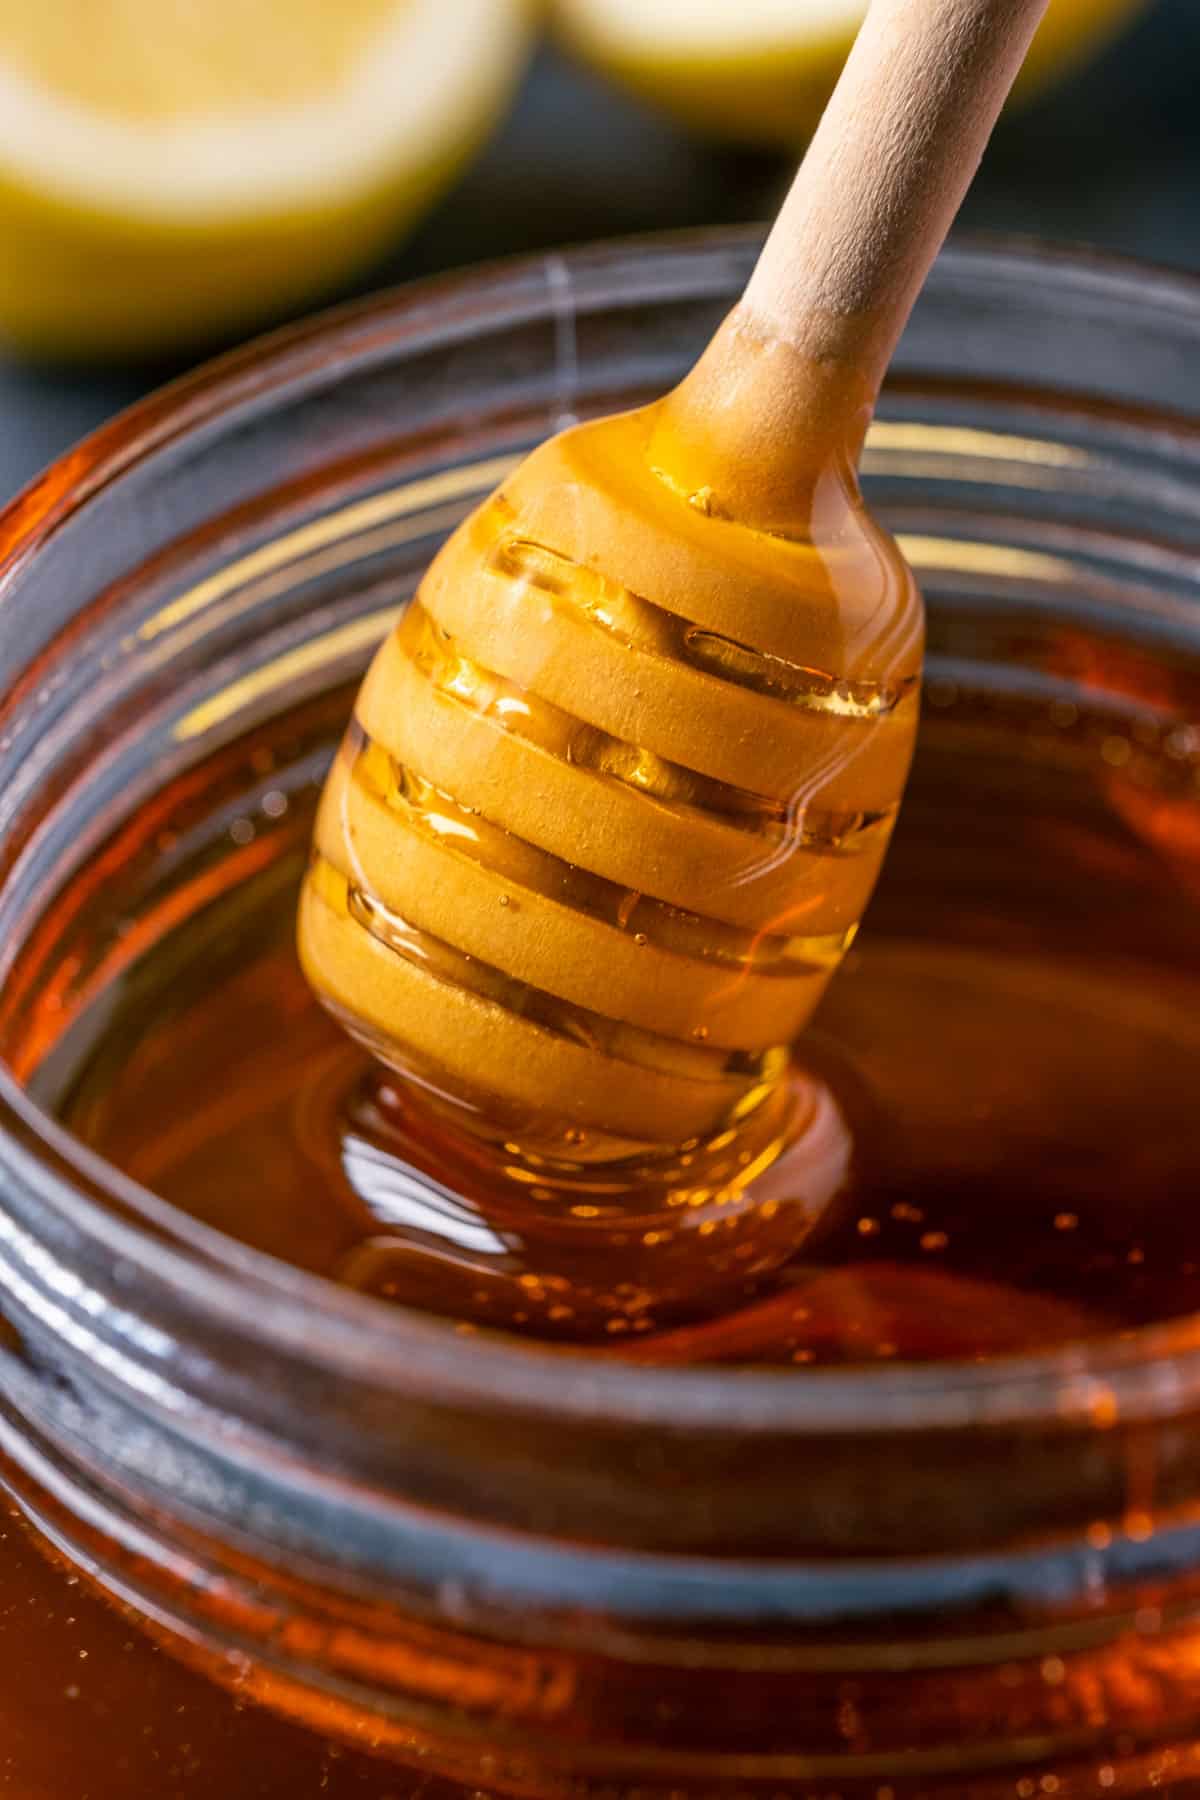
<point x="1150" y="1372"/>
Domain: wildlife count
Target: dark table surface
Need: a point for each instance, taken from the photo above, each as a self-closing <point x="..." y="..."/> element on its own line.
<point x="1112" y="160"/>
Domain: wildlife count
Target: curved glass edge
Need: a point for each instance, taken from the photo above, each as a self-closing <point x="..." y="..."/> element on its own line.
<point x="1150" y="1373"/>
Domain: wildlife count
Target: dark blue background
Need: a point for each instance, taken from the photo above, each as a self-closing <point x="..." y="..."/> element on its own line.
<point x="1113" y="160"/>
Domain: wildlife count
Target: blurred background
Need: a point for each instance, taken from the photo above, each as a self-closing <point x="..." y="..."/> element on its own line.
<point x="177" y="174"/>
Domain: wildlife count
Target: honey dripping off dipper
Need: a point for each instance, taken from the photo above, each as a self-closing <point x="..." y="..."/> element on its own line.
<point x="619" y="785"/>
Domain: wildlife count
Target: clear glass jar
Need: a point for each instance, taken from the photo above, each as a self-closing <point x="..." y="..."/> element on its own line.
<point x="523" y="1570"/>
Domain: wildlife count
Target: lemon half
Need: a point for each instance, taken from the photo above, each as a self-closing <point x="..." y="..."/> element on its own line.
<point x="172" y="170"/>
<point x="762" y="70"/>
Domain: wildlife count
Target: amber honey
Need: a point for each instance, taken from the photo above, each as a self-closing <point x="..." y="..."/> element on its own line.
<point x="986" y="1144"/>
<point x="92" y="1709"/>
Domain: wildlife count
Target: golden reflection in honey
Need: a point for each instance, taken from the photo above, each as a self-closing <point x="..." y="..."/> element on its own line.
<point x="498" y="1236"/>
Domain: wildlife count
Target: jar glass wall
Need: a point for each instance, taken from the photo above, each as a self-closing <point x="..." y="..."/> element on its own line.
<point x="521" y="1569"/>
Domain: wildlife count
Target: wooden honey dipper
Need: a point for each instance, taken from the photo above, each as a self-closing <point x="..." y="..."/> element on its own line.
<point x="619" y="785"/>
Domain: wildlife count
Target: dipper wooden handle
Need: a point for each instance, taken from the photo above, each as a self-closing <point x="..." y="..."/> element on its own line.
<point x="885" y="174"/>
<point x="785" y="391"/>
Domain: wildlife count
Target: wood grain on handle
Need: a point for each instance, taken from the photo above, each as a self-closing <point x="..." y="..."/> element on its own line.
<point x="885" y="174"/>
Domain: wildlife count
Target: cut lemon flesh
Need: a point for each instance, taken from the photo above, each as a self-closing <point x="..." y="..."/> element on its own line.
<point x="170" y="171"/>
<point x="762" y="70"/>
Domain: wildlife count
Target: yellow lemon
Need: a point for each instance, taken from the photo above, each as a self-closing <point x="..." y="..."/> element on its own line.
<point x="762" y="70"/>
<point x="172" y="170"/>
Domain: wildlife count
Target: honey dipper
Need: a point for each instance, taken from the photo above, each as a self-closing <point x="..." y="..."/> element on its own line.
<point x="619" y="785"/>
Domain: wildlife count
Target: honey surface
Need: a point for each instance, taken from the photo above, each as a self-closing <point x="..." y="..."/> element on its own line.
<point x="91" y="1709"/>
<point x="986" y="1143"/>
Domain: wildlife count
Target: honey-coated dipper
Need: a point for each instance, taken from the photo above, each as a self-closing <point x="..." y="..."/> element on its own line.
<point x="619" y="785"/>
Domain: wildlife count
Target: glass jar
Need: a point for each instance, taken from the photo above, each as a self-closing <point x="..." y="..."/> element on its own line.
<point x="517" y="1569"/>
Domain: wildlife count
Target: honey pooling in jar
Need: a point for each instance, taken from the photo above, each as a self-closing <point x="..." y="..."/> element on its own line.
<point x="1002" y="1079"/>
<point x="617" y="790"/>
<point x="983" y="1142"/>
